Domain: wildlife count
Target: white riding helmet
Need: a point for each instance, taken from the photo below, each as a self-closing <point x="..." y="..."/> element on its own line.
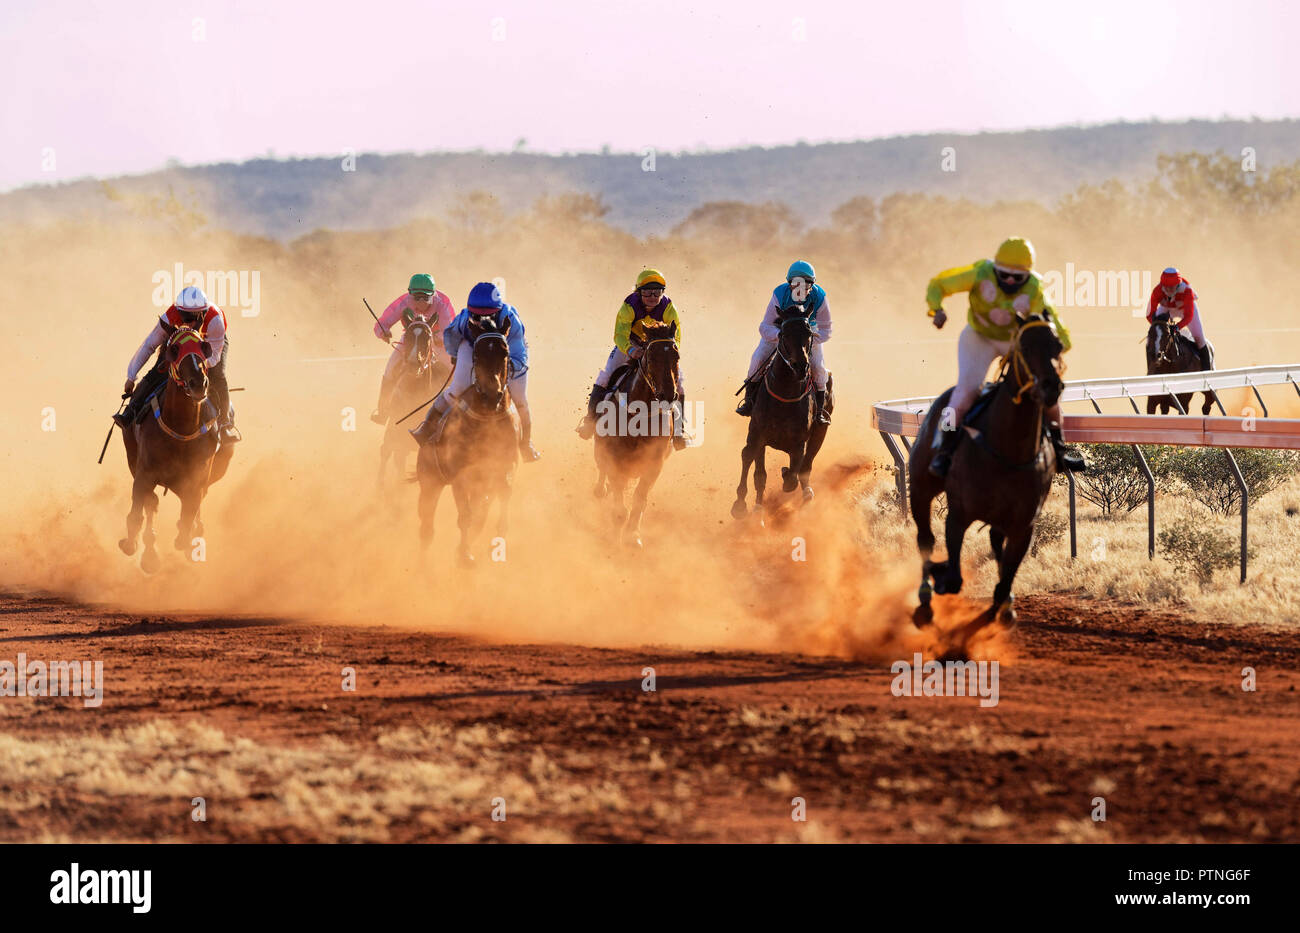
<point x="192" y="298"/>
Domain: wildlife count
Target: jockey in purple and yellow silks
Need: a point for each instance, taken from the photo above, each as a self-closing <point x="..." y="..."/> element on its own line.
<point x="648" y="302"/>
<point x="1001" y="289"/>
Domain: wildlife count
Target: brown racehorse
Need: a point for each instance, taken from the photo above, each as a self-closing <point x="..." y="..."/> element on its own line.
<point x="1000" y="474"/>
<point x="174" y="446"/>
<point x="783" y="416"/>
<point x="1168" y="351"/>
<point x="634" y="443"/>
<point x="419" y="375"/>
<point x="476" y="448"/>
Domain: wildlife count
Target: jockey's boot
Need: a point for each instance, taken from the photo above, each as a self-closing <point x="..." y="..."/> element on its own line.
<point x="746" y="405"/>
<point x="427" y="428"/>
<point x="1206" y="363"/>
<point x="229" y="433"/>
<point x="822" y="416"/>
<point x="126" y="417"/>
<point x="219" y="390"/>
<point x="526" y="450"/>
<point x="679" y="424"/>
<point x="1067" y="457"/>
<point x="588" y="426"/>
<point x="941" y="460"/>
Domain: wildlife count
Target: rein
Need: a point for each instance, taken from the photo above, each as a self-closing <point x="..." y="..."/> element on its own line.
<point x="767" y="375"/>
<point x="643" y="372"/>
<point x="1015" y="364"/>
<point x="181" y="337"/>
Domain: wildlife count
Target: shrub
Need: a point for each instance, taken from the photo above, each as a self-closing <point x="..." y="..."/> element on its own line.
<point x="1208" y="477"/>
<point x="1048" y="529"/>
<point x="1199" y="552"/>
<point x="1115" y="481"/>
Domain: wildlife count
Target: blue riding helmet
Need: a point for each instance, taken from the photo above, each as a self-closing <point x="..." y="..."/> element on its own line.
<point x="801" y="268"/>
<point x="484" y="297"/>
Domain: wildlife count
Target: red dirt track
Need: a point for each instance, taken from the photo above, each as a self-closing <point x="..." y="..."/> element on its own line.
<point x="1135" y="706"/>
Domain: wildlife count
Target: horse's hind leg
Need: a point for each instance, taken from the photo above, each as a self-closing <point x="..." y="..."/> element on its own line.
<point x="1209" y="400"/>
<point x="189" y="511"/>
<point x="466" y="520"/>
<point x="996" y="540"/>
<point x="790" y="474"/>
<point x="632" y="533"/>
<point x="430" y="493"/>
<point x="738" y="508"/>
<point x="760" y="476"/>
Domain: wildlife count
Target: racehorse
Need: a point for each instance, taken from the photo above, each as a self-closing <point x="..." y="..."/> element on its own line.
<point x="177" y="448"/>
<point x="637" y="446"/>
<point x="1000" y="474"/>
<point x="784" y="414"/>
<point x="420" y="373"/>
<point x="1168" y="351"/>
<point x="476" y="447"/>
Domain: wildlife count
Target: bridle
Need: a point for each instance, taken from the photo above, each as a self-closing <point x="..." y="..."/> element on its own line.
<point x="643" y="370"/>
<point x="1016" y="363"/>
<point x="808" y="381"/>
<point x="415" y="360"/>
<point x="505" y="345"/>
<point x="1167" y="337"/>
<point x="184" y="335"/>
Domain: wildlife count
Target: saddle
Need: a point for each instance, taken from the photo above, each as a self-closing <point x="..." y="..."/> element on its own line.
<point x="620" y="381"/>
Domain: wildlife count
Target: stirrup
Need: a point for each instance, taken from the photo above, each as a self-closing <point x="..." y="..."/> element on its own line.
<point x="230" y="434"/>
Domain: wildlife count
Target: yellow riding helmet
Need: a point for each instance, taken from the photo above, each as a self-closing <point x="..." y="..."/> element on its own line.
<point x="650" y="277"/>
<point x="1015" y="253"/>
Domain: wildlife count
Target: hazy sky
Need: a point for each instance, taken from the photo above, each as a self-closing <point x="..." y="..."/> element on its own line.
<point x="123" y="87"/>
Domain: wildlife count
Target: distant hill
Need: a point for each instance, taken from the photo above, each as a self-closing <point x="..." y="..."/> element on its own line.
<point x="288" y="198"/>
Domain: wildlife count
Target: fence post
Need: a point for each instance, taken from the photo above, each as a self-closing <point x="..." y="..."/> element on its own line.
<point x="1074" y="550"/>
<point x="1245" y="507"/>
<point x="900" y="464"/>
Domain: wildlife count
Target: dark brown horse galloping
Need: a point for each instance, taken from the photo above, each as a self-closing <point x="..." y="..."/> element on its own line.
<point x="419" y="374"/>
<point x="174" y="446"/>
<point x="636" y="446"/>
<point x="1001" y="473"/>
<point x="476" y="448"/>
<point x="1168" y="351"/>
<point x="784" y="415"/>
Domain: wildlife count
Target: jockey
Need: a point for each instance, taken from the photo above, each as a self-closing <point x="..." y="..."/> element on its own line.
<point x="648" y="302"/>
<point x="484" y="301"/>
<point x="1174" y="298"/>
<point x="799" y="289"/>
<point x="421" y="300"/>
<point x="999" y="288"/>
<point x="192" y="309"/>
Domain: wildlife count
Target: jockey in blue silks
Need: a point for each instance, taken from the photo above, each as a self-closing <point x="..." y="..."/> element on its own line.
<point x="484" y="301"/>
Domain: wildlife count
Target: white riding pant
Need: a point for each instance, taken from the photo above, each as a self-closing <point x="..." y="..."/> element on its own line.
<point x="767" y="347"/>
<point x="617" y="358"/>
<point x="462" y="378"/>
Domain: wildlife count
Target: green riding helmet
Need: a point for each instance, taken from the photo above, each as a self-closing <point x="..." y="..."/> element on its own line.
<point x="421" y="282"/>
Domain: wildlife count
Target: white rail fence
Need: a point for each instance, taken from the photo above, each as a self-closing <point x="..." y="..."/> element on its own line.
<point x="900" y="419"/>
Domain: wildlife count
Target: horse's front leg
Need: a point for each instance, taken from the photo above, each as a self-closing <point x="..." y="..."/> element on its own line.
<point x="141" y="489"/>
<point x="465" y="520"/>
<point x="504" y="491"/>
<point x="738" y="508"/>
<point x="190" y="498"/>
<point x="150" y="561"/>
<point x="920" y="497"/>
<point x="1017" y="545"/>
<point x="760" y="476"/>
<point x="790" y="474"/>
<point x="632" y="533"/>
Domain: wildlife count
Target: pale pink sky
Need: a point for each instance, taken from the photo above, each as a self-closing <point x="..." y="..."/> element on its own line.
<point x="122" y="87"/>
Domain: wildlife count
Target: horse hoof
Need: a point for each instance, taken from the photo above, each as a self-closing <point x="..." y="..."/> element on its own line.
<point x="467" y="560"/>
<point x="738" y="510"/>
<point x="922" y="615"/>
<point x="180" y="543"/>
<point x="1007" y="613"/>
<point x="127" y="546"/>
<point x="634" y="542"/>
<point x="150" y="562"/>
<point x="807" y="494"/>
<point x="789" y="483"/>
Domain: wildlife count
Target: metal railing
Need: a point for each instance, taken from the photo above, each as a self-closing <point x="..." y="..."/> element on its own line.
<point x="900" y="419"/>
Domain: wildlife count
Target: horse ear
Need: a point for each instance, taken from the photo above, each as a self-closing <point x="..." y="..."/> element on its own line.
<point x="506" y="329"/>
<point x="672" y="331"/>
<point x="207" y="349"/>
<point x="169" y="354"/>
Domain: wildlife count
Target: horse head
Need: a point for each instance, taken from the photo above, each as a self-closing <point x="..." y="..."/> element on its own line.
<point x="659" y="359"/>
<point x="795" y="339"/>
<point x="418" y="343"/>
<point x="186" y="354"/>
<point x="1162" y="338"/>
<point x="491" y="359"/>
<point x="1035" y="361"/>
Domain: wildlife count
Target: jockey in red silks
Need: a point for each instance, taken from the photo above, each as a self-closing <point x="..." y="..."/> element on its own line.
<point x="192" y="309"/>
<point x="421" y="300"/>
<point x="1175" y="299"/>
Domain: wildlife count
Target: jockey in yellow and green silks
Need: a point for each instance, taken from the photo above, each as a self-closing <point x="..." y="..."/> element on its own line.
<point x="1001" y="290"/>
